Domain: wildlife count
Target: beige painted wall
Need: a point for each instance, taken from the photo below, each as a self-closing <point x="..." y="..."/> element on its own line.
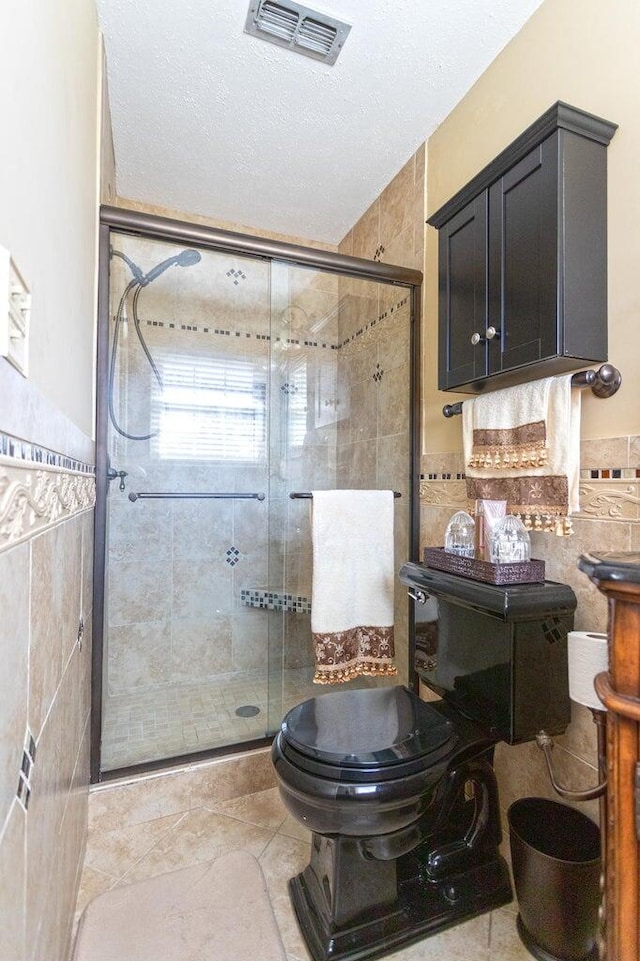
<point x="49" y="63"/>
<point x="585" y="53"/>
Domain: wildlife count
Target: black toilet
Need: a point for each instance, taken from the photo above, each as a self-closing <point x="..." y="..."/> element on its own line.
<point x="400" y="794"/>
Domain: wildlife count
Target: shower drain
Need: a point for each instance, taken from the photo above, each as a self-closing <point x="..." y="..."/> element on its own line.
<point x="247" y="710"/>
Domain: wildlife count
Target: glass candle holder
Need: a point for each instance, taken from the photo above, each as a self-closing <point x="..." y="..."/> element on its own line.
<point x="509" y="542"/>
<point x="459" y="536"/>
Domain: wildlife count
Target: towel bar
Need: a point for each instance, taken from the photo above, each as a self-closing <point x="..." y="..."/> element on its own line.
<point x="307" y="495"/>
<point x="603" y="382"/>
<point x="193" y="495"/>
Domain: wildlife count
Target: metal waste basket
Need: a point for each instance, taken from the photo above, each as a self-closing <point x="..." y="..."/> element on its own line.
<point x="556" y="862"/>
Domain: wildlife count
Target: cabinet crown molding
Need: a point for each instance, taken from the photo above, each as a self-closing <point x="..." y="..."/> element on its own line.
<point x="559" y="116"/>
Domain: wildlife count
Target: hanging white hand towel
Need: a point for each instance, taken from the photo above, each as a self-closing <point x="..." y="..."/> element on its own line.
<point x="353" y="584"/>
<point x="522" y="445"/>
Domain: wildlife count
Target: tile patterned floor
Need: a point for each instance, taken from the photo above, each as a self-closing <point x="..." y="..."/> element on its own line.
<point x="119" y="853"/>
<point x="174" y="721"/>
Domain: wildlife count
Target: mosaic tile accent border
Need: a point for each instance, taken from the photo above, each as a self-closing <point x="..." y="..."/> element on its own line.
<point x="442" y="476"/>
<point x="24" y="451"/>
<point x="610" y="473"/>
<point x="374" y="323"/>
<point x="290" y="341"/>
<point x="275" y="601"/>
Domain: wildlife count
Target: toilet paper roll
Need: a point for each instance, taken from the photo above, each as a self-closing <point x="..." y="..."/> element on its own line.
<point x="588" y="656"/>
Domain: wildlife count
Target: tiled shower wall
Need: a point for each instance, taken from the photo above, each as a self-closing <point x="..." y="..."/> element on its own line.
<point x="377" y="364"/>
<point x="373" y="436"/>
<point x="176" y="568"/>
<point x="46" y="536"/>
<point x="358" y="420"/>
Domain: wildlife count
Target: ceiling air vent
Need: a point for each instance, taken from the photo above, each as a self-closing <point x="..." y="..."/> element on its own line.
<point x="302" y="30"/>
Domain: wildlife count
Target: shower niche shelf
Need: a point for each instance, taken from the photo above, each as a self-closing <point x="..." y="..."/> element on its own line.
<point x="266" y="600"/>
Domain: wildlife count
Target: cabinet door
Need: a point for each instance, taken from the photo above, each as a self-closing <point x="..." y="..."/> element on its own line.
<point x="463" y="295"/>
<point x="523" y="261"/>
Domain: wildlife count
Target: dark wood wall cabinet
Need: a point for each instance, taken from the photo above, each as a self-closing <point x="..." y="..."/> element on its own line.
<point x="523" y="258"/>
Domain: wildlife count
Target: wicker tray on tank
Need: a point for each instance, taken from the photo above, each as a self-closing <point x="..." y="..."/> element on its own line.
<point x="524" y="572"/>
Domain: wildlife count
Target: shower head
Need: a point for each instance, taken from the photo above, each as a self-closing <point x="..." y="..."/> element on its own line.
<point x="186" y="258"/>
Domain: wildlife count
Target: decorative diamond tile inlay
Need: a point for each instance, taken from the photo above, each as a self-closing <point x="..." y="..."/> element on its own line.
<point x="289" y="389"/>
<point x="237" y="275"/>
<point x="24" y="777"/>
<point x="378" y="373"/>
<point x="233" y="556"/>
<point x="379" y="252"/>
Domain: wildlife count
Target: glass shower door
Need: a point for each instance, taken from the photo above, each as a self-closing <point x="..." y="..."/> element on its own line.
<point x="340" y="417"/>
<point x="185" y="664"/>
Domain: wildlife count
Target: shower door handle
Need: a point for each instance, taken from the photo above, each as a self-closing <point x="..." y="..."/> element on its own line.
<point x="193" y="495"/>
<point x="112" y="473"/>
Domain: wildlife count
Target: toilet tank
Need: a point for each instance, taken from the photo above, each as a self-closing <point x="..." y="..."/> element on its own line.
<point x="497" y="653"/>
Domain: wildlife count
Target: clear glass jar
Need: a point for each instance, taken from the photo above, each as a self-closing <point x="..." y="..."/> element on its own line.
<point x="460" y="535"/>
<point x="509" y="542"/>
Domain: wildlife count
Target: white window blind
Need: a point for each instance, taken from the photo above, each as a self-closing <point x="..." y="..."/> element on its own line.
<point x="210" y="408"/>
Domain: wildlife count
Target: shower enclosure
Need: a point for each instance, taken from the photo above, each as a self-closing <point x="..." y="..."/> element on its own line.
<point x="234" y="374"/>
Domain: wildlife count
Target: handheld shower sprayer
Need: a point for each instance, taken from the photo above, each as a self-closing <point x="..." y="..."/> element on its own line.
<point x="186" y="258"/>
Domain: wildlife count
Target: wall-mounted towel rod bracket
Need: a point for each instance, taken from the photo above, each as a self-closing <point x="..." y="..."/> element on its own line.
<point x="603" y="382"/>
<point x="307" y="495"/>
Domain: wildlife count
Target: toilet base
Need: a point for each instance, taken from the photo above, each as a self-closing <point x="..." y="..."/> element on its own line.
<point x="419" y="909"/>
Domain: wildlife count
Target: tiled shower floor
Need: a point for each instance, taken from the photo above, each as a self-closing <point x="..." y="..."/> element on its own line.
<point x="174" y="721"/>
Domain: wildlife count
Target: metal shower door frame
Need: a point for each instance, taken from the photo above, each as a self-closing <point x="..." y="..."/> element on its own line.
<point x="223" y="241"/>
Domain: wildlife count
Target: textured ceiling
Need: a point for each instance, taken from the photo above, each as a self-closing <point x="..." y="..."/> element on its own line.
<point x="211" y="121"/>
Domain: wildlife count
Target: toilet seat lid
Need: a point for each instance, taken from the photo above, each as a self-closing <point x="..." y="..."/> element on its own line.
<point x="361" y="728"/>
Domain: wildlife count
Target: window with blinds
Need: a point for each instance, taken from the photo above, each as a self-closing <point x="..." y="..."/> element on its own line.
<point x="209" y="408"/>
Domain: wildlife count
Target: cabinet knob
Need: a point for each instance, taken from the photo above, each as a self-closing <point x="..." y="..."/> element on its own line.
<point x="489" y="334"/>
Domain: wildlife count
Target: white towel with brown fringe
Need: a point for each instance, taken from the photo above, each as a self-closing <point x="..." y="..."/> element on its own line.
<point x="352" y="584"/>
<point x="522" y="445"/>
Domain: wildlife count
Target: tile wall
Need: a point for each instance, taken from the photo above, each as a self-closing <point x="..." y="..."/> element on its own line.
<point x="46" y="541"/>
